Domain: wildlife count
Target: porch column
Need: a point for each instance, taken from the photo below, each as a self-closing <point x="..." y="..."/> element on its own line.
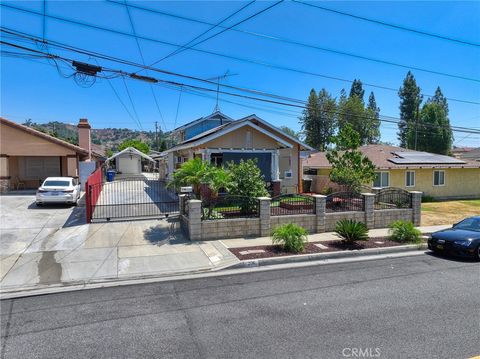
<point x="275" y="166"/>
<point x="170" y="165"/>
<point x="72" y="166"/>
<point x="4" y="173"/>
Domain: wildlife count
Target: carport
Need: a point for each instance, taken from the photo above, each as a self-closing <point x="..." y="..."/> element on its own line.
<point x="129" y="161"/>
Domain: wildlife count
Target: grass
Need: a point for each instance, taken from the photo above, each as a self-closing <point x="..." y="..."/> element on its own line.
<point x="448" y="212"/>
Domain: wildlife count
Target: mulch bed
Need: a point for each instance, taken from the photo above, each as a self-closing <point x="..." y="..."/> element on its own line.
<point x="333" y="246"/>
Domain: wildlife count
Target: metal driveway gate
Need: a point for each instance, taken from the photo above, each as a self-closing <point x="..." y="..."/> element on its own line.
<point x="130" y="197"/>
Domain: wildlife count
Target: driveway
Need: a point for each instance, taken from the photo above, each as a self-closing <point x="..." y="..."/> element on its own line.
<point x="53" y="246"/>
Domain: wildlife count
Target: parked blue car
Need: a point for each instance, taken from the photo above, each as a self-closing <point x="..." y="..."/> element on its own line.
<point x="463" y="239"/>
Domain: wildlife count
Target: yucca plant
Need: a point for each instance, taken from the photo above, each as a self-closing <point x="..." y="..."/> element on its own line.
<point x="404" y="232"/>
<point x="351" y="230"/>
<point x="291" y="236"/>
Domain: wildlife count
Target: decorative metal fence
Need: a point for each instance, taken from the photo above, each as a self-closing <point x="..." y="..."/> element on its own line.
<point x="393" y="198"/>
<point x="292" y="204"/>
<point x="229" y="206"/>
<point x="345" y="202"/>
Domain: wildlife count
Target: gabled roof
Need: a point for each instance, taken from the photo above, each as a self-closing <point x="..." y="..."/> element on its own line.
<point x="42" y="135"/>
<point x="216" y="114"/>
<point x="252" y="121"/>
<point x="393" y="157"/>
<point x="131" y="151"/>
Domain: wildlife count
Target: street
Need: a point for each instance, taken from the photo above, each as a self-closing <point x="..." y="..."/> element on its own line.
<point x="411" y="307"/>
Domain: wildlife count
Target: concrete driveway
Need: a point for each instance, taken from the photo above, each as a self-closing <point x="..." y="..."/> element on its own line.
<point x="53" y="246"/>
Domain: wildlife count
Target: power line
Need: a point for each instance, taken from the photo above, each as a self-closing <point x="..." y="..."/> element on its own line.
<point x="388" y="119"/>
<point x="143" y="62"/>
<point x="383" y="23"/>
<point x="338" y="52"/>
<point x="130" y="63"/>
<point x="131" y="102"/>
<point x="185" y="46"/>
<point x="294" y="42"/>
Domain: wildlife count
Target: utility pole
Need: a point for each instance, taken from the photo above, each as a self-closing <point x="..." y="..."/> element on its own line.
<point x="156" y="135"/>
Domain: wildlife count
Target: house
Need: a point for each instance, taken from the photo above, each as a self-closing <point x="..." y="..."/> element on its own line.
<point x="435" y="175"/>
<point x="277" y="153"/>
<point x="467" y="153"/>
<point x="28" y="156"/>
<point x="129" y="161"/>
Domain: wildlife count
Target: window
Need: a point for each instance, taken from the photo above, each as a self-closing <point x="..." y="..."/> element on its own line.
<point x="382" y="179"/>
<point x="310" y="171"/>
<point x="216" y="159"/>
<point x="439" y="178"/>
<point x="410" y="179"/>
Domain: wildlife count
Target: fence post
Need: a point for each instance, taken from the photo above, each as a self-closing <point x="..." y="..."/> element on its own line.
<point x="195" y="219"/>
<point x="369" y="209"/>
<point x="264" y="214"/>
<point x="320" y="212"/>
<point x="181" y="202"/>
<point x="88" y="209"/>
<point x="416" y="200"/>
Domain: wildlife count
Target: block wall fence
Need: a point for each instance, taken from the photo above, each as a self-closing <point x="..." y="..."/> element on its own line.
<point x="322" y="221"/>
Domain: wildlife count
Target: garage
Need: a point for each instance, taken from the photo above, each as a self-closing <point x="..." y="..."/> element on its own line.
<point x="129" y="161"/>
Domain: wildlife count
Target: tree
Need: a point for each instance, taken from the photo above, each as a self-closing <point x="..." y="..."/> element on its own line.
<point x="410" y="100"/>
<point x="247" y="179"/>
<point x="349" y="166"/>
<point x="434" y="131"/>
<point x="438" y="98"/>
<point x="290" y="132"/>
<point x="191" y="173"/>
<point x="373" y="113"/>
<point x="351" y="112"/>
<point x="357" y="89"/>
<point x="319" y="119"/>
<point x="139" y="145"/>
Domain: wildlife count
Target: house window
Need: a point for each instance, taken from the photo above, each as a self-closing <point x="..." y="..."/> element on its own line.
<point x="217" y="159"/>
<point x="310" y="171"/>
<point x="439" y="178"/>
<point x="410" y="179"/>
<point x="382" y="179"/>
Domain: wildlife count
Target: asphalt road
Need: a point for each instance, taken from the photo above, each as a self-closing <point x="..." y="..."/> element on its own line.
<point x="411" y="307"/>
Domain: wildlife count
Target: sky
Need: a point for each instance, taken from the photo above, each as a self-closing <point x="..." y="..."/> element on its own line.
<point x="36" y="89"/>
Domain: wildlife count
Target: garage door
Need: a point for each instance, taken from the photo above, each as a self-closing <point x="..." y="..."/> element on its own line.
<point x="42" y="167"/>
<point x="127" y="165"/>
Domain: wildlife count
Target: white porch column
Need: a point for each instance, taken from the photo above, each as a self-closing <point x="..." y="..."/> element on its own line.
<point x="275" y="166"/>
<point x="170" y="165"/>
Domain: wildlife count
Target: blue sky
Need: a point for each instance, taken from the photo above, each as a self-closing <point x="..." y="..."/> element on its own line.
<point x="34" y="89"/>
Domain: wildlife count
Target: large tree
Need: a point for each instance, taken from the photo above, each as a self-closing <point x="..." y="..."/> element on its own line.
<point x="351" y="112"/>
<point x="440" y="99"/>
<point x="139" y="145"/>
<point x="434" y="133"/>
<point x="410" y="100"/>
<point x="373" y="113"/>
<point x="349" y="166"/>
<point x="290" y="132"/>
<point x="319" y="119"/>
<point x="357" y="89"/>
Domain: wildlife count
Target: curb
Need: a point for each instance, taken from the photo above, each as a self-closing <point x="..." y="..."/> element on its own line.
<point x="249" y="263"/>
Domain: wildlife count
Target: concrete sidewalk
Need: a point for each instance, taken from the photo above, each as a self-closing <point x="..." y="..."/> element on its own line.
<point x="92" y="253"/>
<point x="318" y="237"/>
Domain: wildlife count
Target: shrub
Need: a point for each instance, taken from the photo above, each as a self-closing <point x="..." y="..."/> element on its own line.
<point x="404" y="232"/>
<point x="291" y="236"/>
<point x="427" y="198"/>
<point x="351" y="230"/>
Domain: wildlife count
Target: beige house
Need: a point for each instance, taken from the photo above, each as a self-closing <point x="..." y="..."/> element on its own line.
<point x="28" y="156"/>
<point x="439" y="176"/>
<point x="277" y="154"/>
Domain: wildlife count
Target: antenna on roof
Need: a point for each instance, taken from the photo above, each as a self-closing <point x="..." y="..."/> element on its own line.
<point x="218" y="78"/>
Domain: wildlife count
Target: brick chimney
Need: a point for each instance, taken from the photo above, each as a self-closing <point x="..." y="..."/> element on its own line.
<point x="84" y="138"/>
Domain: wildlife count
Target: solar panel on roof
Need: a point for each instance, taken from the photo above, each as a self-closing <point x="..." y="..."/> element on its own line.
<point x="422" y="158"/>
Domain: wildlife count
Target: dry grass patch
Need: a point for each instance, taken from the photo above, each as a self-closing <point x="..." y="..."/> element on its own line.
<point x="448" y="212"/>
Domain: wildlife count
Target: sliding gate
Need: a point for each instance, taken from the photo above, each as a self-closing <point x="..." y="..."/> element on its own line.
<point x="134" y="196"/>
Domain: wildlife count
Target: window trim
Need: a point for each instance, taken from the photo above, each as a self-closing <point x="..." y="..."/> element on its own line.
<point x="444" y="178"/>
<point x="388" y="182"/>
<point x="414" y="178"/>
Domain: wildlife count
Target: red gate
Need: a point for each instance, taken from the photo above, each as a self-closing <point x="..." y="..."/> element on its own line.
<point x="93" y="188"/>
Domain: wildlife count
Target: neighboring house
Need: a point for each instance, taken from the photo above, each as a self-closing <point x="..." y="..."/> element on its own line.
<point x="435" y="175"/>
<point x="129" y="161"/>
<point x="28" y="156"/>
<point x="199" y="126"/>
<point x="277" y="154"/>
<point x="473" y="154"/>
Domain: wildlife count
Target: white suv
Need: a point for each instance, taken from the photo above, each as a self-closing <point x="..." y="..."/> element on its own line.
<point x="58" y="190"/>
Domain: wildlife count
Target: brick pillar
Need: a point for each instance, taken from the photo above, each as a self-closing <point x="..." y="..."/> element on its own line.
<point x="320" y="212"/>
<point x="369" y="209"/>
<point x="195" y="219"/>
<point x="416" y="198"/>
<point x="264" y="207"/>
<point x="181" y="198"/>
